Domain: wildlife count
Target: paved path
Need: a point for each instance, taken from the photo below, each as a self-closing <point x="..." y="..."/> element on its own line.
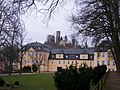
<point x="23" y="73"/>
<point x="114" y="81"/>
<point x="16" y="74"/>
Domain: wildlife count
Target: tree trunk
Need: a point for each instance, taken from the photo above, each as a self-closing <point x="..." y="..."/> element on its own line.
<point x="116" y="46"/>
<point x="117" y="53"/>
<point x="21" y="65"/>
<point x="39" y="68"/>
<point x="10" y="67"/>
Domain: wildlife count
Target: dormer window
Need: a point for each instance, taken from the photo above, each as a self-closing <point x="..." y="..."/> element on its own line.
<point x="101" y="48"/>
<point x="66" y="56"/>
<point x="83" y="57"/>
<point x="91" y="57"/>
<point x="98" y="54"/>
<point x="103" y="54"/>
<point x="76" y="56"/>
<point x="109" y="54"/>
<point x="39" y="48"/>
<point x="53" y="56"/>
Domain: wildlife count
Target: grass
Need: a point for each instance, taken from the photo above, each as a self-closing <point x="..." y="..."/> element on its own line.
<point x="42" y="81"/>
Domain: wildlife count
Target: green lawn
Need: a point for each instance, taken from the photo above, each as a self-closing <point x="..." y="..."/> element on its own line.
<point x="42" y="81"/>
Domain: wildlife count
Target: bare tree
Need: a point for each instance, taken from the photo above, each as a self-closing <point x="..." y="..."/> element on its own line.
<point x="10" y="25"/>
<point x="100" y="19"/>
<point x="22" y="36"/>
<point x="46" y="7"/>
<point x="39" y="58"/>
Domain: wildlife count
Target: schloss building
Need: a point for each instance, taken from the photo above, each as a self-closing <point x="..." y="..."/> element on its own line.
<point x="52" y="59"/>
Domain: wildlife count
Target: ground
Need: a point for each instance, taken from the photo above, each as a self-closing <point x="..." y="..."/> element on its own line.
<point x="114" y="82"/>
<point x="42" y="81"/>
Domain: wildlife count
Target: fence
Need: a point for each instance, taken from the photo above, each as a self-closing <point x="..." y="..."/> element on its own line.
<point x="101" y="83"/>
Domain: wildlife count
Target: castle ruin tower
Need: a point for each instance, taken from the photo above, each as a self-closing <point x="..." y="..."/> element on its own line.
<point x="58" y="37"/>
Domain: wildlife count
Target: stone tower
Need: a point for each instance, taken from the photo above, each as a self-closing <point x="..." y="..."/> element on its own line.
<point x="58" y="37"/>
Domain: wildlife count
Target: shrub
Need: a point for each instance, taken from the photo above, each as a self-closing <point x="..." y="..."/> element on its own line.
<point x="2" y="82"/>
<point x="73" y="79"/>
<point x="26" y="69"/>
<point x="16" y="82"/>
<point x="98" y="73"/>
<point x="34" y="68"/>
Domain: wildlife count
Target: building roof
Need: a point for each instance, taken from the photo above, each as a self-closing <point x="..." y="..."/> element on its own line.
<point x="102" y="47"/>
<point x="37" y="46"/>
<point x="73" y="51"/>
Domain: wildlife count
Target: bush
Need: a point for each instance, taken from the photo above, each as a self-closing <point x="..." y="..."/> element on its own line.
<point x="98" y="73"/>
<point x="16" y="82"/>
<point x="2" y="82"/>
<point x="73" y="79"/>
<point x="34" y="68"/>
<point x="26" y="69"/>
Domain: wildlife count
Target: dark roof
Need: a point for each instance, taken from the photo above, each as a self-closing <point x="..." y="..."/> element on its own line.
<point x="37" y="46"/>
<point x="102" y="47"/>
<point x="73" y="51"/>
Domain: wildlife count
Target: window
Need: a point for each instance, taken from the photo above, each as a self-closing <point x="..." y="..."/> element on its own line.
<point x="103" y="62"/>
<point x="66" y="56"/>
<point x="109" y="54"/>
<point x="76" y="62"/>
<point x="90" y="63"/>
<point x="101" y="48"/>
<point x="83" y="62"/>
<point x="40" y="54"/>
<point x="108" y="63"/>
<point x="83" y="57"/>
<point x="26" y="53"/>
<point x="76" y="56"/>
<point x="68" y="62"/>
<point x="91" y="57"/>
<point x="63" y="62"/>
<point x="103" y="54"/>
<point x="52" y="61"/>
<point x="59" y="62"/>
<point x="53" y="56"/>
<point x="33" y="53"/>
<point x="36" y="54"/>
<point x="98" y="63"/>
<point x="98" y="54"/>
<point x="113" y="63"/>
<point x="59" y="56"/>
<point x="28" y="61"/>
<point x="32" y="61"/>
<point x="39" y="48"/>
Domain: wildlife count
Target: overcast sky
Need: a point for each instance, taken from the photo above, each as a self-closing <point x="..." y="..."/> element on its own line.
<point x="38" y="31"/>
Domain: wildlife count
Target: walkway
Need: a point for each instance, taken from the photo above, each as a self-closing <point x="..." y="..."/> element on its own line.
<point x="114" y="82"/>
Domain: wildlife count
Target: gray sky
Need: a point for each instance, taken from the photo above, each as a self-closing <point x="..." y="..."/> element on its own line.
<point x="38" y="31"/>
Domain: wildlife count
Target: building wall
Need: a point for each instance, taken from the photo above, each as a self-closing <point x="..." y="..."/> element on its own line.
<point x="51" y="62"/>
<point x="104" y="58"/>
<point x="31" y="57"/>
<point x="59" y="61"/>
